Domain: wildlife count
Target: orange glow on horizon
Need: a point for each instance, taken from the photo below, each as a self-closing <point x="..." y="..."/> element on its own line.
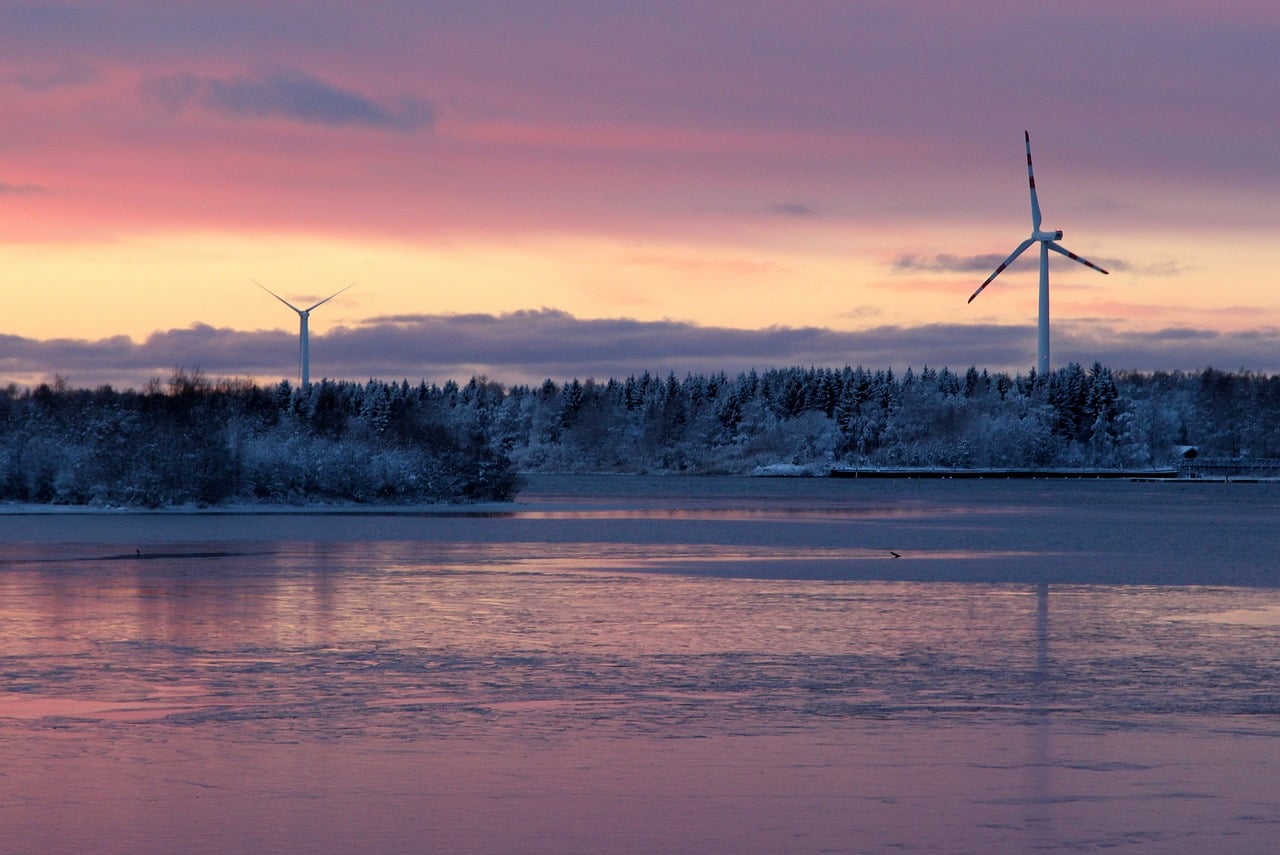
<point x="133" y="287"/>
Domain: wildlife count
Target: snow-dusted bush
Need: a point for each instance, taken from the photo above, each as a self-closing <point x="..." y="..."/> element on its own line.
<point x="813" y="417"/>
<point x="202" y="443"/>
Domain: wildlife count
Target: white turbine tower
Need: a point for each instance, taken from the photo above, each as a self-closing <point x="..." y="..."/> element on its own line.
<point x="304" y="345"/>
<point x="1048" y="241"/>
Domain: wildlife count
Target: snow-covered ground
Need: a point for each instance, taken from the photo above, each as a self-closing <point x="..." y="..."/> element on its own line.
<point x="630" y="664"/>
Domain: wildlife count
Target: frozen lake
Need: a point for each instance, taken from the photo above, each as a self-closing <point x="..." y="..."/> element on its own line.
<point x="633" y="665"/>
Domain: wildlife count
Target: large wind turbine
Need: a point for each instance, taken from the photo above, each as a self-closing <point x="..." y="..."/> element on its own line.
<point x="1048" y="241"/>
<point x="304" y="347"/>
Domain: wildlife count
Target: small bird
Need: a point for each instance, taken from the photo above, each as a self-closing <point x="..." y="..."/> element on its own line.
<point x="894" y="554"/>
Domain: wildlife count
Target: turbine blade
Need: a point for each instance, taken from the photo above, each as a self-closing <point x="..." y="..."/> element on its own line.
<point x="1022" y="247"/>
<point x="1053" y="245"/>
<point x="1031" y="179"/>
<point x="277" y="296"/>
<point x="330" y="297"/>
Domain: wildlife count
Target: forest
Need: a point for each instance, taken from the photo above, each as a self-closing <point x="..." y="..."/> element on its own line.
<point x="196" y="441"/>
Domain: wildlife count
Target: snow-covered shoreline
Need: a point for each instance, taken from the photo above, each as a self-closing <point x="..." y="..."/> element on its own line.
<point x="444" y="509"/>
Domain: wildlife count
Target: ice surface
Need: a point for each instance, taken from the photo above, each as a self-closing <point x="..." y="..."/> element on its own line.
<point x="643" y="665"/>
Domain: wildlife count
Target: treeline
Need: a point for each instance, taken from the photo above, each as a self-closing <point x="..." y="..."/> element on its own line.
<point x="205" y="443"/>
<point x="196" y="441"/>
<point x="820" y="417"/>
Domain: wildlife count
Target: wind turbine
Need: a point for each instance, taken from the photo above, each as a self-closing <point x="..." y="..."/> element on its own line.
<point x="1048" y="241"/>
<point x="304" y="347"/>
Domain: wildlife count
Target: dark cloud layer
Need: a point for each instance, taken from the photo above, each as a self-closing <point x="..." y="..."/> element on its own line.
<point x="944" y="263"/>
<point x="987" y="262"/>
<point x="799" y="210"/>
<point x="63" y="77"/>
<point x="529" y="346"/>
<point x="8" y="189"/>
<point x="289" y="95"/>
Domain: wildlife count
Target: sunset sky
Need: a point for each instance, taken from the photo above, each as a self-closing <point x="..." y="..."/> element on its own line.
<point x="595" y="188"/>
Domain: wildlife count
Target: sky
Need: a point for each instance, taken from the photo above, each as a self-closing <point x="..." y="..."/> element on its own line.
<point x="595" y="188"/>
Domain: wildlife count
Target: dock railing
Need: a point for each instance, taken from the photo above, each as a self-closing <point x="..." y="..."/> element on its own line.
<point x="1261" y="468"/>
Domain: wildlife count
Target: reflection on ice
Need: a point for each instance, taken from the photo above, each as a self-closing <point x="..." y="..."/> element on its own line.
<point x="306" y="633"/>
<point x="1264" y="616"/>
<point x="57" y="707"/>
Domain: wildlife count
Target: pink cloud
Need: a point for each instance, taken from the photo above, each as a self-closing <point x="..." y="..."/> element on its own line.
<point x="585" y="116"/>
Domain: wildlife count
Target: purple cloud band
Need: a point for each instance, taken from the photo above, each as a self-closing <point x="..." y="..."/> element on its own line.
<point x="290" y="95"/>
<point x="529" y="346"/>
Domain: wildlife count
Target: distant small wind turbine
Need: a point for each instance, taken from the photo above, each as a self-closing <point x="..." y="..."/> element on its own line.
<point x="304" y="346"/>
<point x="1048" y="241"/>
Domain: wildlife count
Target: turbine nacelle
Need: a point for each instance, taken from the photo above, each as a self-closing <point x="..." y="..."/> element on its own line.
<point x="1053" y="235"/>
